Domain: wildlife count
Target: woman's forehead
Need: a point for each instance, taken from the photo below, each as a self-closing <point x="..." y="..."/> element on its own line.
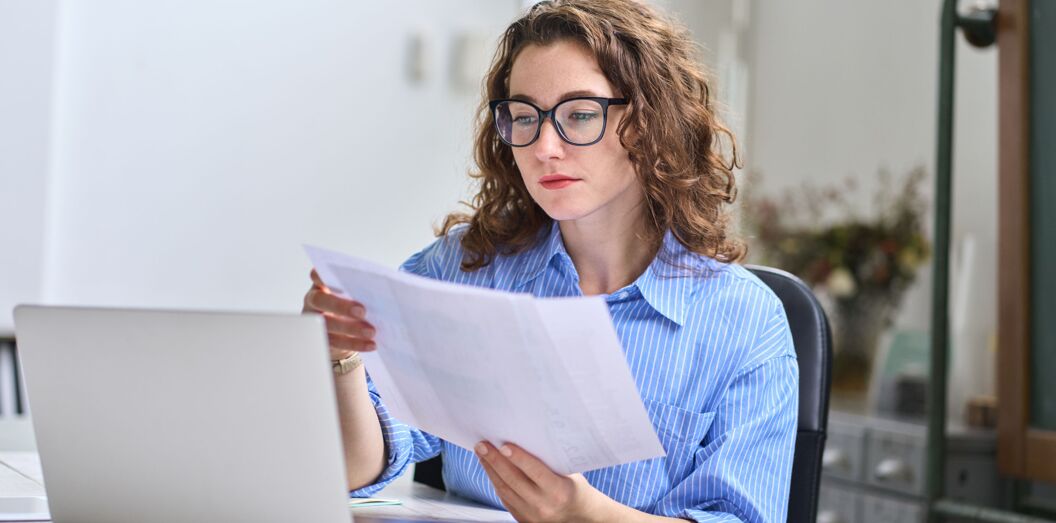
<point x="545" y="74"/>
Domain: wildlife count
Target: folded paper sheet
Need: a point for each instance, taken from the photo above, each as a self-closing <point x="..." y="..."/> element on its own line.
<point x="469" y="364"/>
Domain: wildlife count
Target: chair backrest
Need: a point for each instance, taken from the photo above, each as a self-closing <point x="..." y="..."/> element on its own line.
<point x="813" y="343"/>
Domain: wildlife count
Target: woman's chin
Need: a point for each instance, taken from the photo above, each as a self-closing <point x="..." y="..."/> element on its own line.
<point x="564" y="214"/>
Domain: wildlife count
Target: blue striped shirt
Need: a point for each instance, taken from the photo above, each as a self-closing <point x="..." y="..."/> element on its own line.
<point x="712" y="355"/>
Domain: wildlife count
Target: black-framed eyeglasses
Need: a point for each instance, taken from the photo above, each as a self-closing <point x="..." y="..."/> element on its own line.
<point x="579" y="121"/>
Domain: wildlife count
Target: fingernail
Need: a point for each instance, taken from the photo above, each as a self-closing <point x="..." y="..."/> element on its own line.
<point x="482" y="449"/>
<point x="505" y="450"/>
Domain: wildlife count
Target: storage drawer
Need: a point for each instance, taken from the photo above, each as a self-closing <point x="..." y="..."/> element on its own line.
<point x="838" y="505"/>
<point x="844" y="450"/>
<point x="895" y="459"/>
<point x="973" y="479"/>
<point x="876" y="509"/>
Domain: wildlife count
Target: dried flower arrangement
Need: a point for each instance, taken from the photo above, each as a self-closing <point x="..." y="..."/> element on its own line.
<point x="861" y="266"/>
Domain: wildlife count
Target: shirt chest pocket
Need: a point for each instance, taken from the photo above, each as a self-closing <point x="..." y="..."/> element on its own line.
<point x="680" y="431"/>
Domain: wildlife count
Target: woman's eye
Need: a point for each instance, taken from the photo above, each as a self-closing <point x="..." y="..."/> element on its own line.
<point x="583" y="117"/>
<point x="524" y="120"/>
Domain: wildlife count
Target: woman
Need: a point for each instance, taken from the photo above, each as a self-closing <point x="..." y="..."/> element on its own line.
<point x="602" y="173"/>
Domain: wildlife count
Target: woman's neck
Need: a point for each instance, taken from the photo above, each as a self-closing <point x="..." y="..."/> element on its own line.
<point x="608" y="254"/>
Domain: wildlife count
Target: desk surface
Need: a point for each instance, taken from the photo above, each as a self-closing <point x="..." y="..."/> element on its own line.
<point x="21" y="476"/>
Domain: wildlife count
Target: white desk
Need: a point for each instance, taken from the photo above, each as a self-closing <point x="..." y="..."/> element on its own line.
<point x="20" y="475"/>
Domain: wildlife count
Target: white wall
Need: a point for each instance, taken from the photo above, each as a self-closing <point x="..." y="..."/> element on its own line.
<point x="198" y="144"/>
<point x="195" y="146"/>
<point x="721" y="28"/>
<point x="847" y="88"/>
<point x="27" y="29"/>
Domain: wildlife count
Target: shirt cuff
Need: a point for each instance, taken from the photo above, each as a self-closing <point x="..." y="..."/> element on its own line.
<point x="702" y="516"/>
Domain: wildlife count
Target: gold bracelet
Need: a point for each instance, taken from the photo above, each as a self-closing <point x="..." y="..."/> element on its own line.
<point x="347" y="365"/>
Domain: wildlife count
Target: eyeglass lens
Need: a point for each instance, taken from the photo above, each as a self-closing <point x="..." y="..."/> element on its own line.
<point x="581" y="121"/>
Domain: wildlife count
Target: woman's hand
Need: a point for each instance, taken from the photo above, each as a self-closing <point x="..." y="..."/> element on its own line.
<point x="531" y="491"/>
<point x="346" y="320"/>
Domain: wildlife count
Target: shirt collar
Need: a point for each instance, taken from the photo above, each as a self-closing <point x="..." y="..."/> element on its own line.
<point x="671" y="280"/>
<point x="667" y="285"/>
<point x="539" y="256"/>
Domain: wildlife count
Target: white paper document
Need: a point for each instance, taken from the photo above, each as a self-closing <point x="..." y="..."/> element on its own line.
<point x="469" y="364"/>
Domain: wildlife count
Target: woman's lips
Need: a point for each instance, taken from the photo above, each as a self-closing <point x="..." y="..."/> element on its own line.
<point x="556" y="181"/>
<point x="558" y="184"/>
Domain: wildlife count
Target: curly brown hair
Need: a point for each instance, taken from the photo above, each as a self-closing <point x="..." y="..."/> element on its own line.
<point x="670" y="130"/>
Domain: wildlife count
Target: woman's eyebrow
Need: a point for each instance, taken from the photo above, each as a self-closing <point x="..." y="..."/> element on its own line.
<point x="566" y="96"/>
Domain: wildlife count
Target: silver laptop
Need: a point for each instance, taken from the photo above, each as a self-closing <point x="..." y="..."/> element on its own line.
<point x="145" y="415"/>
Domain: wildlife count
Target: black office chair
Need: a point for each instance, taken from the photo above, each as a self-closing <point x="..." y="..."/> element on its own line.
<point x="813" y="342"/>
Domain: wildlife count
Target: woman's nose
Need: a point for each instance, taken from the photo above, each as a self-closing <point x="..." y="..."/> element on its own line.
<point x="549" y="145"/>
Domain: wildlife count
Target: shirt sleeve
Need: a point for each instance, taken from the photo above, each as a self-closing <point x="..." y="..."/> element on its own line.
<point x="744" y="465"/>
<point x="404" y="445"/>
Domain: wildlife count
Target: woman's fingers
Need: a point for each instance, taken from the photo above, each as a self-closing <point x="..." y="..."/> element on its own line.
<point x="531" y="466"/>
<point x="322" y="301"/>
<point x="318" y="281"/>
<point x="347" y="327"/>
<point x="346" y="324"/>
<point x="348" y="335"/>
<point x="343" y="345"/>
<point x="509" y="497"/>
<point x="512" y="476"/>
